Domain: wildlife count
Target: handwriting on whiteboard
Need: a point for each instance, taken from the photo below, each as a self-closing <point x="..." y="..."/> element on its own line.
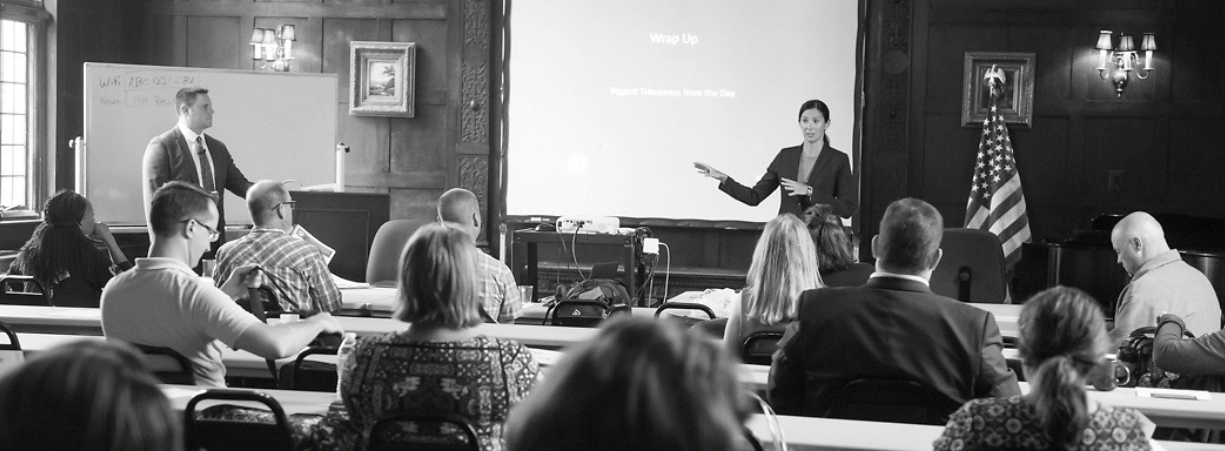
<point x="143" y="89"/>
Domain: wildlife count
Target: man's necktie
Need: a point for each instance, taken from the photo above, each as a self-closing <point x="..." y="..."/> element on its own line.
<point x="206" y="167"/>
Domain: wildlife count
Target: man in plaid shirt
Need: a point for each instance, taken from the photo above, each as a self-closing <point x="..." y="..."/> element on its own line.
<point x="499" y="294"/>
<point x="294" y="268"/>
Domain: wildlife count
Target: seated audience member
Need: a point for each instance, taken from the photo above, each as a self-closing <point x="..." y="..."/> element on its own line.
<point x="784" y="265"/>
<point x="640" y="384"/>
<point x="161" y="302"/>
<point x="835" y="251"/>
<point x="440" y="363"/>
<point x="1063" y="338"/>
<point x="1160" y="281"/>
<point x="496" y="284"/>
<point x="88" y="395"/>
<point x="292" y="266"/>
<point x="1202" y="356"/>
<point x="70" y="255"/>
<point x="893" y="327"/>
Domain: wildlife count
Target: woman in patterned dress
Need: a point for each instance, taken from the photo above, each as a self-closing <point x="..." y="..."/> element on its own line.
<point x="1063" y="338"/>
<point x="641" y="384"/>
<point x="440" y="363"/>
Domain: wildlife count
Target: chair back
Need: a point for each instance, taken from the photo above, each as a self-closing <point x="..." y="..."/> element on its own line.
<point x="389" y="433"/>
<point x="168" y="365"/>
<point x="14" y="344"/>
<point x="311" y="375"/>
<point x="759" y="347"/>
<point x="686" y="320"/>
<point x="384" y="264"/>
<point x="972" y="268"/>
<point x="231" y="435"/>
<point x="889" y="400"/>
<point x="22" y="290"/>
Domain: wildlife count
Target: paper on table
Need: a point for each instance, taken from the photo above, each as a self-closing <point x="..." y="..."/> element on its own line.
<point x="545" y="357"/>
<point x="75" y="313"/>
<point x="301" y="232"/>
<point x="346" y="284"/>
<point x="1168" y="393"/>
<point x="176" y="392"/>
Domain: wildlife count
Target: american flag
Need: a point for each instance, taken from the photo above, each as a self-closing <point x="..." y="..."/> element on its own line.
<point x="996" y="202"/>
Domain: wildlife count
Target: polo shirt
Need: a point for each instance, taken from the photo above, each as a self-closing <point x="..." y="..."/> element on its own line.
<point x="162" y="302"/>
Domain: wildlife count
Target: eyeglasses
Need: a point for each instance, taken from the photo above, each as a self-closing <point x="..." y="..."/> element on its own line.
<point x="292" y="204"/>
<point x="213" y="234"/>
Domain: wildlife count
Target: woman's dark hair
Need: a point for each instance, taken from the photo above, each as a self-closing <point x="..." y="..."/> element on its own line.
<point x="58" y="247"/>
<point x="90" y="395"/>
<point x="1063" y="338"/>
<point x="835" y="249"/>
<point x="819" y="106"/>
<point x="639" y="384"/>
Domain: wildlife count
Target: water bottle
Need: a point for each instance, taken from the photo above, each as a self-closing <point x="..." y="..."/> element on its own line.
<point x="342" y="359"/>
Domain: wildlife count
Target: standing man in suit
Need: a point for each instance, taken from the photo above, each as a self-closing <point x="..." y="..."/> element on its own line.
<point x="185" y="153"/>
<point x="892" y="327"/>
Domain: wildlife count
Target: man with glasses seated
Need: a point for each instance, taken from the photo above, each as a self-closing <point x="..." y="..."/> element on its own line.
<point x="160" y="302"/>
<point x="293" y="267"/>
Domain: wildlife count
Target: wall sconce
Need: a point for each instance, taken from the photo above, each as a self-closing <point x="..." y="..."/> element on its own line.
<point x="1124" y="59"/>
<point x="273" y="46"/>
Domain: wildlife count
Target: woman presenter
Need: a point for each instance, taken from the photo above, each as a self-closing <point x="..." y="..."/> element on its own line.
<point x="811" y="173"/>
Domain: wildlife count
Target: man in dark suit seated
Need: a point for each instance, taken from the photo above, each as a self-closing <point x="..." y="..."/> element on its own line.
<point x="893" y="327"/>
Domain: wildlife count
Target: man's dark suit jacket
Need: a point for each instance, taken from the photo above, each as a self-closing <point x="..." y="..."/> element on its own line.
<point x="888" y="328"/>
<point x="830" y="180"/>
<point x="168" y="158"/>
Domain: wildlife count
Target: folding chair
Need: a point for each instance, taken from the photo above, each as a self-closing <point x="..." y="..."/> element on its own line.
<point x="759" y="347"/>
<point x="236" y="435"/>
<point x="15" y="290"/>
<point x="390" y="434"/>
<point x="168" y="365"/>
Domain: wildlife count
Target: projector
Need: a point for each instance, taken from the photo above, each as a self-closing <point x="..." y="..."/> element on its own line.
<point x="588" y="224"/>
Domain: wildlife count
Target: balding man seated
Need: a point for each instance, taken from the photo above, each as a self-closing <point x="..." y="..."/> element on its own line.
<point x="1160" y="281"/>
<point x="499" y="294"/>
<point x="294" y="268"/>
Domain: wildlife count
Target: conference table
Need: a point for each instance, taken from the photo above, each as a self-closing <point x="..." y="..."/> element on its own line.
<point x="800" y="433"/>
<point x="88" y="321"/>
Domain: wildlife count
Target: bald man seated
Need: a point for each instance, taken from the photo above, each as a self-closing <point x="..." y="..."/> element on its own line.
<point x="294" y="268"/>
<point x="499" y="294"/>
<point x="1160" y="281"/>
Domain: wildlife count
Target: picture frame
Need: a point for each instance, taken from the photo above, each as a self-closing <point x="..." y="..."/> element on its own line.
<point x="1017" y="101"/>
<point x="382" y="78"/>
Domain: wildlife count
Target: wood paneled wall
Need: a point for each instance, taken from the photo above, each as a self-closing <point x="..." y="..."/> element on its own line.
<point x="415" y="159"/>
<point x="1165" y="133"/>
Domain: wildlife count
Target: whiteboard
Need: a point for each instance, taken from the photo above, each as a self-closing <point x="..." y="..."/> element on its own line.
<point x="277" y="126"/>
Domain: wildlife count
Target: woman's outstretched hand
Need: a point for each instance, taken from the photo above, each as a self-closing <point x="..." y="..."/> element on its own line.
<point x="795" y="188"/>
<point x="708" y="171"/>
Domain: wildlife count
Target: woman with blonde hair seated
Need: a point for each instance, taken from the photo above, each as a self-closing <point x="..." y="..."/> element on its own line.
<point x="440" y="363"/>
<point x="784" y="265"/>
<point x="640" y="384"/>
<point x="1063" y="339"/>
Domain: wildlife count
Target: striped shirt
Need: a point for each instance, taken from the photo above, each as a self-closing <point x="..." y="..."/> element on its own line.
<point x="499" y="294"/>
<point x="294" y="268"/>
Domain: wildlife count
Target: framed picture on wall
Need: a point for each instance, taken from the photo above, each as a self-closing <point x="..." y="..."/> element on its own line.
<point x="382" y="78"/>
<point x="1014" y="77"/>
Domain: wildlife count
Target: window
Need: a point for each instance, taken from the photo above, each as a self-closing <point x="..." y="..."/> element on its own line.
<point x="14" y="113"/>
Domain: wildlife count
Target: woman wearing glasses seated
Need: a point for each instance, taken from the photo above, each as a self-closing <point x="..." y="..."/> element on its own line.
<point x="440" y="363"/>
<point x="1063" y="338"/>
<point x="70" y="255"/>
